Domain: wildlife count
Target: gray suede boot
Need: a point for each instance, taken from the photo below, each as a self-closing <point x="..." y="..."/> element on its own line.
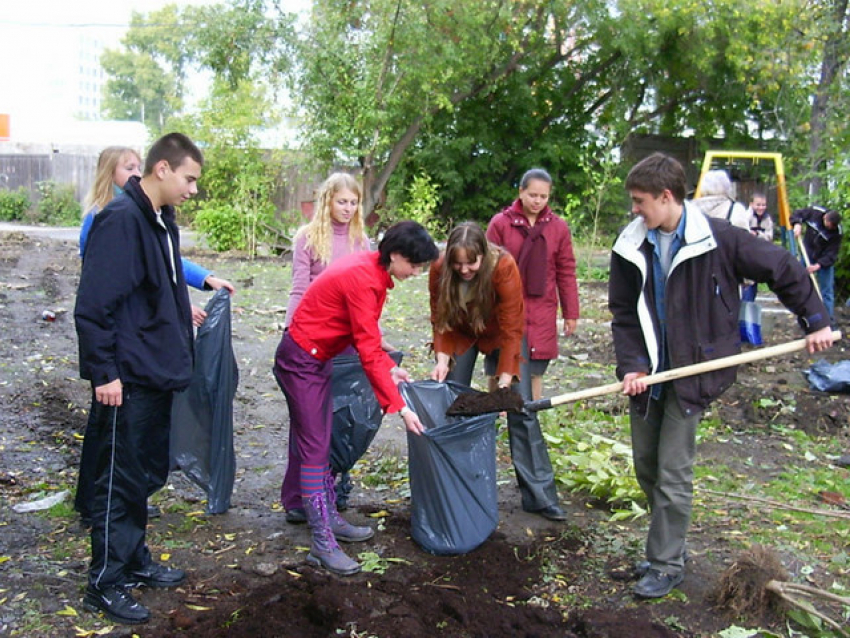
<point x="342" y="529"/>
<point x="324" y="551"/>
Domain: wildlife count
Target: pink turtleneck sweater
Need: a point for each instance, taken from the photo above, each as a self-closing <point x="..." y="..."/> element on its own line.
<point x="305" y="266"/>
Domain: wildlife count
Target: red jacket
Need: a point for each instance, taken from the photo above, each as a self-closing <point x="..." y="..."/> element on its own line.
<point x="541" y="313"/>
<point x="341" y="308"/>
<point x="503" y="330"/>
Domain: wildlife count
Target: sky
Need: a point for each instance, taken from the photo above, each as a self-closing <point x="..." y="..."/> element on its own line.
<point x="39" y="49"/>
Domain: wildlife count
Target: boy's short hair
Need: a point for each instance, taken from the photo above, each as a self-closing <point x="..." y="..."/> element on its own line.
<point x="655" y="174"/>
<point x="173" y="148"/>
<point x="833" y="217"/>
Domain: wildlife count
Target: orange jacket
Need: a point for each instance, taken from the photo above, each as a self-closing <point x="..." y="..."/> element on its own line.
<point x="504" y="328"/>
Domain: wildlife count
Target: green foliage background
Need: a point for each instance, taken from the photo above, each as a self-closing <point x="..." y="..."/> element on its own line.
<point x="14" y="204"/>
<point x="470" y="95"/>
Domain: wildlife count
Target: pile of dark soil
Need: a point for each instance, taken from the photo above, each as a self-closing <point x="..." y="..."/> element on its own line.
<point x="488" y="592"/>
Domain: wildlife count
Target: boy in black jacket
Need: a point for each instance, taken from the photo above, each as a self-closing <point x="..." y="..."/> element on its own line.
<point x="822" y="241"/>
<point x="134" y="326"/>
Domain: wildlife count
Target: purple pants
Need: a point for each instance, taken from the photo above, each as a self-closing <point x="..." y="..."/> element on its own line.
<point x="306" y="384"/>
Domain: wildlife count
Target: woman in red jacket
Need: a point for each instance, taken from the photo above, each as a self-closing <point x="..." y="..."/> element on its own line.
<point x="541" y="243"/>
<point x="341" y="308"/>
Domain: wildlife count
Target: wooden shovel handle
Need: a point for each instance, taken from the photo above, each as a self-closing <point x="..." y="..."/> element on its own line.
<point x="809" y="263"/>
<point x="678" y="373"/>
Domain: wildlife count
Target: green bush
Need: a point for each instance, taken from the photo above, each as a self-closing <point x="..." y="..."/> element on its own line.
<point x="221" y="226"/>
<point x="423" y="199"/>
<point x="58" y="206"/>
<point x="14" y="204"/>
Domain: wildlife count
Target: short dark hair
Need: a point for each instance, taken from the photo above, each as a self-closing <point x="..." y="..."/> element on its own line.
<point x="833" y="217"/>
<point x="534" y="173"/>
<point x="655" y="174"/>
<point x="173" y="148"/>
<point x="410" y="240"/>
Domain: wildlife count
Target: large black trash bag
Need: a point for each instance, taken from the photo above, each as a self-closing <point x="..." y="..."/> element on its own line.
<point x="453" y="495"/>
<point x="357" y="414"/>
<point x="202" y="415"/>
<point x="829" y="377"/>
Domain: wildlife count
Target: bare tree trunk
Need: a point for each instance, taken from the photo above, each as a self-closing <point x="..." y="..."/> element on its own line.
<point x="834" y="59"/>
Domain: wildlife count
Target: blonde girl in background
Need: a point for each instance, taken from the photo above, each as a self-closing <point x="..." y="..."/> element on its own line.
<point x="335" y="230"/>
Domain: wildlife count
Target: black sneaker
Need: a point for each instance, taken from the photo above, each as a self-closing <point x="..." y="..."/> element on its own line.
<point x="116" y="603"/>
<point x="657" y="584"/>
<point x="296" y="516"/>
<point x="154" y="511"/>
<point x="156" y="575"/>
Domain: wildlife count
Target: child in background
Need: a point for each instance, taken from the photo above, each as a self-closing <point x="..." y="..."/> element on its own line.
<point x="761" y="224"/>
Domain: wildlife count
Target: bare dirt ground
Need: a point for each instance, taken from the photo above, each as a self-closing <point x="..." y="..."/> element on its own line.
<point x="247" y="575"/>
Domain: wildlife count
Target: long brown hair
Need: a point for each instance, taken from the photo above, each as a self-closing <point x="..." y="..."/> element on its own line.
<point x="455" y="306"/>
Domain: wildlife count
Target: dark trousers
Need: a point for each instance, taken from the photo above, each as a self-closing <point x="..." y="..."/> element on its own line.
<point x="664" y="450"/>
<point x="306" y="384"/>
<point x="157" y="477"/>
<point x="530" y="456"/>
<point x="132" y="445"/>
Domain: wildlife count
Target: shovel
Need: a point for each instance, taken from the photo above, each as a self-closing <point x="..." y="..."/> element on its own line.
<point x="483" y="402"/>
<point x="808" y="263"/>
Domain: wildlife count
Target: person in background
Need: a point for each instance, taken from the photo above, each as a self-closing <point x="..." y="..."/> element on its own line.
<point x="336" y="230"/>
<point x="341" y="308"/>
<point x="134" y="326"/>
<point x="822" y="241"/>
<point x="541" y="244"/>
<point x="477" y="306"/>
<point x="673" y="295"/>
<point x="717" y="199"/>
<point x="761" y="224"/>
<point x="115" y="166"/>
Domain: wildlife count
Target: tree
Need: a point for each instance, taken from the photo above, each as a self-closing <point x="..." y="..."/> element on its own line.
<point x="236" y="41"/>
<point x="836" y="53"/>
<point x="239" y="178"/>
<point x="373" y="74"/>
<point x="146" y="77"/>
<point x="469" y="92"/>
<point x="241" y="40"/>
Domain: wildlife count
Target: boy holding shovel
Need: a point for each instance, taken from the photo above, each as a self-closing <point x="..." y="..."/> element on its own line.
<point x="673" y="293"/>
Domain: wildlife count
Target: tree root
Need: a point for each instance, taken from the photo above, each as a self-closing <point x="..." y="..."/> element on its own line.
<point x="756" y="585"/>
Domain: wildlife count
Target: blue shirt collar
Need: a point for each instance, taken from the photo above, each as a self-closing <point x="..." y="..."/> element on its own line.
<point x="652" y="235"/>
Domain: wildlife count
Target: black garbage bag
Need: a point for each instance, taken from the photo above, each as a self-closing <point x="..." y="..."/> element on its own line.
<point x="202" y="415"/>
<point x="829" y="377"/>
<point x="453" y="495"/>
<point x="357" y="413"/>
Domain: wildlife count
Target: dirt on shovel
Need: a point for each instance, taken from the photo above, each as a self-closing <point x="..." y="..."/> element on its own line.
<point x="475" y="403"/>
